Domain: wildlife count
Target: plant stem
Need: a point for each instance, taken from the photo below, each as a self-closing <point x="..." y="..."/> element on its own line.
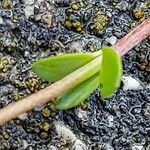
<point x="49" y="93"/>
<point x="133" y="38"/>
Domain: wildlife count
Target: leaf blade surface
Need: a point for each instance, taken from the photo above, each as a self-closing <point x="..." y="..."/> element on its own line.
<point x="55" y="68"/>
<point x="111" y="71"/>
<point x="75" y="96"/>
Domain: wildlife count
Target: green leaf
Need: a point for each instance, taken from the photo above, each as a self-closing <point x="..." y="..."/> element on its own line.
<point x="111" y="71"/>
<point x="55" y="68"/>
<point x="75" y="96"/>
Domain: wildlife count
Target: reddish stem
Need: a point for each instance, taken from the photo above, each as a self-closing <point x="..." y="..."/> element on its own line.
<point x="133" y="38"/>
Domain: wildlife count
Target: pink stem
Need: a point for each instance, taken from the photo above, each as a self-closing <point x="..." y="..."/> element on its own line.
<point x="133" y="38"/>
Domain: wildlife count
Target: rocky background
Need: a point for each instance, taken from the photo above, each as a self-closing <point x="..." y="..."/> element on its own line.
<point x="32" y="29"/>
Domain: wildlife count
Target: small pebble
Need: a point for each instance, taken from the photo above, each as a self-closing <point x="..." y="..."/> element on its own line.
<point x="112" y="40"/>
<point x="130" y="83"/>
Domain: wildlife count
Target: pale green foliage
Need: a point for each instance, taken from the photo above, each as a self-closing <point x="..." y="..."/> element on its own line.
<point x="75" y="96"/>
<point x="55" y="68"/>
<point x="110" y="73"/>
<point x="107" y="76"/>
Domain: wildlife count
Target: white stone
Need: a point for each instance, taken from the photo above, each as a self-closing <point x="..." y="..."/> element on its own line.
<point x="76" y="46"/>
<point x="79" y="145"/>
<point x="25" y="144"/>
<point x="130" y="83"/>
<point x="137" y="147"/>
<point x="26" y="53"/>
<point x="23" y="116"/>
<point x="148" y="86"/>
<point x="29" y="2"/>
<point x="81" y="114"/>
<point x="112" y="40"/>
<point x="53" y="148"/>
<point x="1" y="20"/>
<point x="109" y="147"/>
<point x="64" y="132"/>
<point x="110" y="120"/>
<point x="40" y="1"/>
<point x="29" y="11"/>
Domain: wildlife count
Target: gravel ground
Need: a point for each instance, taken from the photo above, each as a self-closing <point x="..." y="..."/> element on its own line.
<point x="31" y="29"/>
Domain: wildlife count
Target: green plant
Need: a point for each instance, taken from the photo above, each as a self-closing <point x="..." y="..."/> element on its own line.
<point x="77" y="77"/>
<point x="106" y="74"/>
